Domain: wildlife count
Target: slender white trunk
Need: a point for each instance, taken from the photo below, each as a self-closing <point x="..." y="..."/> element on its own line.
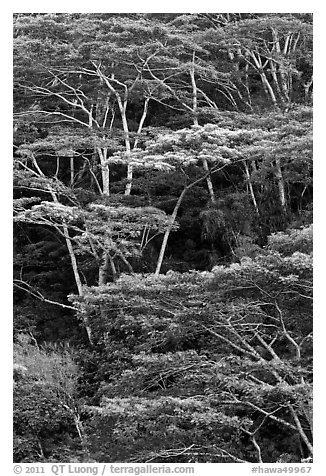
<point x="282" y="69"/>
<point x="280" y="184"/>
<point x="194" y="91"/>
<point x="268" y="88"/>
<point x="246" y="85"/>
<point x="123" y="108"/>
<point x="103" y="269"/>
<point x="300" y="429"/>
<point x="209" y="182"/>
<point x="258" y="449"/>
<point x="168" y="231"/>
<point x="173" y="219"/>
<point x="127" y="141"/>
<point x="252" y="194"/>
<point x="142" y="120"/>
<point x="130" y="174"/>
<point x="80" y="430"/>
<point x="71" y="253"/>
<point x="195" y="121"/>
<point x="306" y="88"/>
<point x="126" y="262"/>
<point x="77" y="276"/>
<point x="274" y="76"/>
<point x="113" y="268"/>
<point x="102" y="153"/>
<point x="266" y="85"/>
<point x="72" y="171"/>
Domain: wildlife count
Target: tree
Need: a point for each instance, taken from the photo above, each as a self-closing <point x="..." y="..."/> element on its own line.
<point x="92" y="234"/>
<point x="47" y="411"/>
<point x="275" y="47"/>
<point x="224" y="145"/>
<point x="163" y="238"/>
<point x="109" y="57"/>
<point x="224" y="357"/>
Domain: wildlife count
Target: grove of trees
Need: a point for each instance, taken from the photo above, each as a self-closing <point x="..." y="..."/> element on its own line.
<point x="163" y="237"/>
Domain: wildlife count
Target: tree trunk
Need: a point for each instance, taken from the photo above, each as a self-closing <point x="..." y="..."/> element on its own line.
<point x="122" y="103"/>
<point x="268" y="88"/>
<point x="104" y="170"/>
<point x="195" y="121"/>
<point x="113" y="268"/>
<point x="127" y="140"/>
<point x="125" y="261"/>
<point x="280" y="184"/>
<point x="275" y="78"/>
<point x="252" y="194"/>
<point x="301" y="431"/>
<point x="194" y="91"/>
<point x="103" y="269"/>
<point x="209" y="182"/>
<point x="142" y="120"/>
<point x="306" y="88"/>
<point x="81" y="433"/>
<point x="246" y="85"/>
<point x="123" y="108"/>
<point x="282" y="69"/>
<point x="77" y="276"/>
<point x="266" y="85"/>
<point x="82" y="170"/>
<point x="130" y="173"/>
<point x="72" y="171"/>
<point x="71" y="253"/>
<point x="174" y="216"/>
<point x="168" y="231"/>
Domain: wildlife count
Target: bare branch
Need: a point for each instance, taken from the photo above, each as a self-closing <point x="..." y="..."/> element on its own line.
<point x="52" y="113"/>
<point x="286" y="333"/>
<point x="24" y="286"/>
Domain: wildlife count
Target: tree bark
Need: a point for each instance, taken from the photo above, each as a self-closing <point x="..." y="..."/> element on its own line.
<point x="266" y="85"/>
<point x="127" y="142"/>
<point x="71" y="252"/>
<point x="122" y="104"/>
<point x="168" y="231"/>
<point x="195" y="121"/>
<point x="105" y="171"/>
<point x="282" y="70"/>
<point x="275" y="78"/>
<point x="125" y="261"/>
<point x="76" y="275"/>
<point x="174" y="216"/>
<point x="103" y="269"/>
<point x="300" y="429"/>
<point x="72" y="171"/>
<point x="252" y="194"/>
<point x="194" y="91"/>
<point x="306" y="88"/>
<point x="142" y="120"/>
<point x="123" y="108"/>
<point x="209" y="182"/>
<point x="280" y="184"/>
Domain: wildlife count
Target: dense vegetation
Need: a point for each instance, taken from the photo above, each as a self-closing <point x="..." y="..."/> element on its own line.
<point x="163" y="237"/>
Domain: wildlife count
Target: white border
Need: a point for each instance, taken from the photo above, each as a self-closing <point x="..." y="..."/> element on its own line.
<point x="319" y="183"/>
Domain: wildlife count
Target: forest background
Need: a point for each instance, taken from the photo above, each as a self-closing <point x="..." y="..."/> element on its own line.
<point x="171" y="238"/>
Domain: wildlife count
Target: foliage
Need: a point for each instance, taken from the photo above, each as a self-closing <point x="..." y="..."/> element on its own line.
<point x="220" y="359"/>
<point x="163" y="237"/>
<point x="46" y="413"/>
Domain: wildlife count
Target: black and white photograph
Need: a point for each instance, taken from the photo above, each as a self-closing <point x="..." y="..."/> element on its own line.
<point x="162" y="240"/>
